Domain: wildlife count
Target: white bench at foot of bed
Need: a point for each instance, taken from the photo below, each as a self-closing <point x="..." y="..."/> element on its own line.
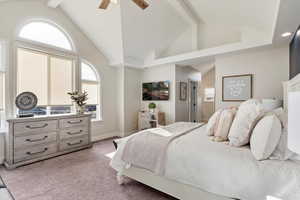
<point x="172" y="188"/>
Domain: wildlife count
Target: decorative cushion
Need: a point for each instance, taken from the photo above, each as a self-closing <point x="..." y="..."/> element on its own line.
<point x="265" y="137"/>
<point x="282" y="152"/>
<point x="212" y="123"/>
<point x="248" y="114"/>
<point x="223" y="127"/>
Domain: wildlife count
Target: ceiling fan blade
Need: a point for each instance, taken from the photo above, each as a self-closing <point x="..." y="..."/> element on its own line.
<point x="141" y="3"/>
<point x="104" y="4"/>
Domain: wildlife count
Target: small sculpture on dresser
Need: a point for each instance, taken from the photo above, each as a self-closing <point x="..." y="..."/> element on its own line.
<point x="80" y="100"/>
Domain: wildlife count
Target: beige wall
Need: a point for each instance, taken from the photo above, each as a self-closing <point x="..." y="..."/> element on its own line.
<point x="161" y="73"/>
<point x="206" y="108"/>
<point x="132" y="99"/>
<point x="270" y="67"/>
<point x="36" y="9"/>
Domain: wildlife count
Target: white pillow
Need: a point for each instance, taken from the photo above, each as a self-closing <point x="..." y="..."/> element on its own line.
<point x="223" y="127"/>
<point x="213" y="122"/>
<point x="248" y="114"/>
<point x="265" y="137"/>
<point x="282" y="152"/>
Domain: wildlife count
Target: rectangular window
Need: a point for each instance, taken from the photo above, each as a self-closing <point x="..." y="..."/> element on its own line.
<point x="60" y="81"/>
<point x="49" y="77"/>
<point x="92" y="90"/>
<point x="33" y="74"/>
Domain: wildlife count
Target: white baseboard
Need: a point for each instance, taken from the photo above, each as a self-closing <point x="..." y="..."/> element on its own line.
<point x="96" y="138"/>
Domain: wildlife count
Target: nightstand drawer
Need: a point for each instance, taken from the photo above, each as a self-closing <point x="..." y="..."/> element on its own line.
<point x="35" y="127"/>
<point x="35" y="152"/>
<point x="73" y="132"/>
<point x="73" y="143"/>
<point x="31" y="140"/>
<point x="73" y="122"/>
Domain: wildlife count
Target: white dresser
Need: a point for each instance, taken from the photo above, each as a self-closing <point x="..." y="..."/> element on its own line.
<point x="33" y="139"/>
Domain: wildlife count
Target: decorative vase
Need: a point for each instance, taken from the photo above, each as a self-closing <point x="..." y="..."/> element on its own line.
<point x="80" y="109"/>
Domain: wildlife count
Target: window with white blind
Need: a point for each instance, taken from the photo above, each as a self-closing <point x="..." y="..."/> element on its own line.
<point x="49" y="77"/>
<point x="91" y="84"/>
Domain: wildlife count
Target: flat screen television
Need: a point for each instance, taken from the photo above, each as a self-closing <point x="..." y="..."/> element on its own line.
<point x="156" y="91"/>
<point x="295" y="55"/>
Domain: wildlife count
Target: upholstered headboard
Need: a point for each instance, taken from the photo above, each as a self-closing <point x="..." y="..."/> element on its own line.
<point x="290" y="86"/>
<point x="292" y="108"/>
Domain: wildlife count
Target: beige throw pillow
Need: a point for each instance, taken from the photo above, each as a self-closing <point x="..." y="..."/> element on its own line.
<point x="247" y="116"/>
<point x="223" y="127"/>
<point x="265" y="137"/>
<point x="212" y="123"/>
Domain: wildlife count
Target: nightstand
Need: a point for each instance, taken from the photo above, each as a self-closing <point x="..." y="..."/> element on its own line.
<point x="151" y="120"/>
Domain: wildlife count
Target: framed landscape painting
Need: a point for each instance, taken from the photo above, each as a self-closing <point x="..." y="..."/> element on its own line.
<point x="237" y="87"/>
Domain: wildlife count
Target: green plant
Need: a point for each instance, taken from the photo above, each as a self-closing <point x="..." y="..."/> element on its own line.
<point x="79" y="98"/>
<point x="152" y="106"/>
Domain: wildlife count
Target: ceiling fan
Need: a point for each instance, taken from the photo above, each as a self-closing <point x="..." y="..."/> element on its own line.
<point x="141" y="3"/>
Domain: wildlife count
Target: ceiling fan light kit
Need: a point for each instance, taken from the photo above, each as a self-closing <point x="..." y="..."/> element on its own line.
<point x="141" y="3"/>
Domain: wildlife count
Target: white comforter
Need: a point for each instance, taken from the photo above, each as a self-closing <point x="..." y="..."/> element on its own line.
<point x="218" y="168"/>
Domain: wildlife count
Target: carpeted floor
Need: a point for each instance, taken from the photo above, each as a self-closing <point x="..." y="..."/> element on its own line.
<point x="83" y="175"/>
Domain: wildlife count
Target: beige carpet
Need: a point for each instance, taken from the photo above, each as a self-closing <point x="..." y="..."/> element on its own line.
<point x="83" y="175"/>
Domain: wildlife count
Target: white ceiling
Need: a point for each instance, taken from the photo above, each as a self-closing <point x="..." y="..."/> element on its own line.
<point x="195" y="29"/>
<point x="103" y="27"/>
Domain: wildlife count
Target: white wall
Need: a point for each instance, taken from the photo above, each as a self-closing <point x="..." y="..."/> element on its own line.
<point x="14" y="13"/>
<point x="270" y="67"/>
<point x="162" y="73"/>
<point x="132" y="99"/>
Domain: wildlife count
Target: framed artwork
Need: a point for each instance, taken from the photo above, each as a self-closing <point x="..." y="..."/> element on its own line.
<point x="183" y="91"/>
<point x="237" y="88"/>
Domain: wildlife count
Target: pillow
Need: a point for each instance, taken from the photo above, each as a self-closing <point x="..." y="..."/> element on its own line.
<point x="212" y="123"/>
<point x="223" y="127"/>
<point x="282" y="152"/>
<point x="248" y="114"/>
<point x="265" y="137"/>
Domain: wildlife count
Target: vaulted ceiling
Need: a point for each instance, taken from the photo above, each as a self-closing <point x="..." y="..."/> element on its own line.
<point x="174" y="30"/>
<point x="128" y="35"/>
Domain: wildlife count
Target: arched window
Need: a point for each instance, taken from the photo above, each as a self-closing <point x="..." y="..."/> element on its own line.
<point x="46" y="33"/>
<point x="44" y="68"/>
<point x="91" y="84"/>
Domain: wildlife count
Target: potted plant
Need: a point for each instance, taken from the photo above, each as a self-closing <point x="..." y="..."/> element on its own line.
<point x="152" y="107"/>
<point x="79" y="99"/>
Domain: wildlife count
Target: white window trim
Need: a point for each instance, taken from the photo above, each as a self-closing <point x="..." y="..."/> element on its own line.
<point x="42" y="48"/>
<point x="52" y="23"/>
<point x="98" y="82"/>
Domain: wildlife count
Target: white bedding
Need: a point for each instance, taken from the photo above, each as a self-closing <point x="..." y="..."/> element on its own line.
<point x="218" y="168"/>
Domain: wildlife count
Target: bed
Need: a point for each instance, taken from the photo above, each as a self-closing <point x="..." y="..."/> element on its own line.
<point x="197" y="168"/>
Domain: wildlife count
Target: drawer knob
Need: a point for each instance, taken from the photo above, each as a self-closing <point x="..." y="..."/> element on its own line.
<point x="36" y="153"/>
<point x="36" y="127"/>
<point x="77" y="143"/>
<point x="37" y="140"/>
<point x="75" y="133"/>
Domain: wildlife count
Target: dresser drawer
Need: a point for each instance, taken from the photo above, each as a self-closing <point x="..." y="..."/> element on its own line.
<point x="35" y="127"/>
<point x="31" y="140"/>
<point x="73" y="143"/>
<point x="35" y="152"/>
<point x="73" y="122"/>
<point x="73" y="132"/>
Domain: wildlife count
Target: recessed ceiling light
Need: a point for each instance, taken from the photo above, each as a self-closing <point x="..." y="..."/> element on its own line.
<point x="286" y="34"/>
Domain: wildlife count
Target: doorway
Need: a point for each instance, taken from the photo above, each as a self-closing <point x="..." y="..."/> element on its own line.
<point x="193" y="100"/>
